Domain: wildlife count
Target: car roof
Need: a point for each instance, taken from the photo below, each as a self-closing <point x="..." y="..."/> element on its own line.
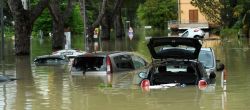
<point x="49" y="57"/>
<point x="207" y="48"/>
<point x="174" y="52"/>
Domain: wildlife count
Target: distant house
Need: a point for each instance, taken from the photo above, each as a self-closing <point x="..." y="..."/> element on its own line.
<point x="188" y="17"/>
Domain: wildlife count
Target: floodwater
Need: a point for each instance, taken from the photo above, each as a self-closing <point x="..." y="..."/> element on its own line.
<point x="53" y="88"/>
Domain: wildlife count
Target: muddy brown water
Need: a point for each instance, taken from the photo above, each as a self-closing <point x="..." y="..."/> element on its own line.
<point x="53" y="88"/>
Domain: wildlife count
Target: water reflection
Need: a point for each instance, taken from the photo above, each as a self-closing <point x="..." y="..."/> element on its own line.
<point x="25" y="86"/>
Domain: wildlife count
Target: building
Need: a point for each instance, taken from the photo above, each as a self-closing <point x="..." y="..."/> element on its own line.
<point x="188" y="17"/>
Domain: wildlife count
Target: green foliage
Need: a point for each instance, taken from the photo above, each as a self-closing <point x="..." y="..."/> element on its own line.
<point x="44" y="23"/>
<point x="228" y="33"/>
<point x="75" y="23"/>
<point x="9" y="31"/>
<point x="238" y="24"/>
<point x="157" y="12"/>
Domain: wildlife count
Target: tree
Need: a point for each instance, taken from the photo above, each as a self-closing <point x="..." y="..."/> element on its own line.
<point x="59" y="19"/>
<point x="246" y="23"/>
<point x="96" y="23"/>
<point x="157" y="12"/>
<point x="117" y="18"/>
<point x="75" y="22"/>
<point x="24" y="20"/>
<point x="112" y="18"/>
<point x="210" y="8"/>
<point x="109" y="16"/>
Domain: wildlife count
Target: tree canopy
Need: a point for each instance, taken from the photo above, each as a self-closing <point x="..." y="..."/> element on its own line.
<point x="157" y="12"/>
<point x="210" y="8"/>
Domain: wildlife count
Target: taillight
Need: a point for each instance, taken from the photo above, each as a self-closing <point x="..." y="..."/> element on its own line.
<point x="196" y="30"/>
<point x="109" y="65"/>
<point x="145" y="83"/>
<point x="202" y="84"/>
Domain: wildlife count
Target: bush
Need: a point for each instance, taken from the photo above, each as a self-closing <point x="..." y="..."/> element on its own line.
<point x="229" y="33"/>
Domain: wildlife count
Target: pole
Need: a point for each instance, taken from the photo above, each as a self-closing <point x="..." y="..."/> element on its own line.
<point x="85" y="27"/>
<point x="2" y="30"/>
<point x="179" y="12"/>
<point x="2" y="34"/>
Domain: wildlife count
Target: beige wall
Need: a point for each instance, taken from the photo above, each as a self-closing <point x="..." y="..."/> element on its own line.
<point x="185" y="6"/>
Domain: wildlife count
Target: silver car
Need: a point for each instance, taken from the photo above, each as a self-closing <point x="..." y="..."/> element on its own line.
<point x="208" y="59"/>
<point x="106" y="62"/>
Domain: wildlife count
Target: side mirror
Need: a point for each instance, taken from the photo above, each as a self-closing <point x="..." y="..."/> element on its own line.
<point x="142" y="75"/>
<point x="220" y="67"/>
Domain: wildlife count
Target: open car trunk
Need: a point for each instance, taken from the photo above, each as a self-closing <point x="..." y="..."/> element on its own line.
<point x="175" y="72"/>
<point x="174" y="47"/>
<point x="175" y="77"/>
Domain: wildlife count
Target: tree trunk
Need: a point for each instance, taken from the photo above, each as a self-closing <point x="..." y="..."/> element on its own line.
<point x="118" y="25"/>
<point x="246" y="24"/>
<point x="90" y="29"/>
<point x="58" y="39"/>
<point x="59" y="18"/>
<point x="24" y="20"/>
<point x="248" y="35"/>
<point x="105" y="23"/>
<point x="23" y="30"/>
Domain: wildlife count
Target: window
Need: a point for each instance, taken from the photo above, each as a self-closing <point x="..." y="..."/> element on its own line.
<point x="124" y="62"/>
<point x="185" y="34"/>
<point x="193" y="16"/>
<point x="138" y="61"/>
<point x="206" y="58"/>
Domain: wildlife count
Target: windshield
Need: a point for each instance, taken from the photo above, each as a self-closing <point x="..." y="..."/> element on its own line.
<point x="206" y="58"/>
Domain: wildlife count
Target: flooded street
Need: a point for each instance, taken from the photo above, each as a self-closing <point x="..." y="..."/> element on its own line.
<point x="53" y="88"/>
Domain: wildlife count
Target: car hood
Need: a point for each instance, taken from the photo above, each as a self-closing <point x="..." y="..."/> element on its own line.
<point x="174" y="47"/>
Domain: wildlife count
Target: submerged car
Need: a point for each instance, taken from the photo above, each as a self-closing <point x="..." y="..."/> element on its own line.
<point x="70" y="53"/>
<point x="208" y="59"/>
<point x="47" y="60"/>
<point x="175" y="65"/>
<point x="193" y="33"/>
<point x="106" y="62"/>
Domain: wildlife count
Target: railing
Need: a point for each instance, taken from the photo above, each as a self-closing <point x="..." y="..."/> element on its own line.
<point x="175" y="25"/>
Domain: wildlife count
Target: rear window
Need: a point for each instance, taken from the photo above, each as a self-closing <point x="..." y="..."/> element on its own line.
<point x="180" y="50"/>
<point x="206" y="58"/>
<point x="90" y="63"/>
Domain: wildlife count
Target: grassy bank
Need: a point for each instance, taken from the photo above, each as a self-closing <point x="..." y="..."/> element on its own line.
<point x="228" y="33"/>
